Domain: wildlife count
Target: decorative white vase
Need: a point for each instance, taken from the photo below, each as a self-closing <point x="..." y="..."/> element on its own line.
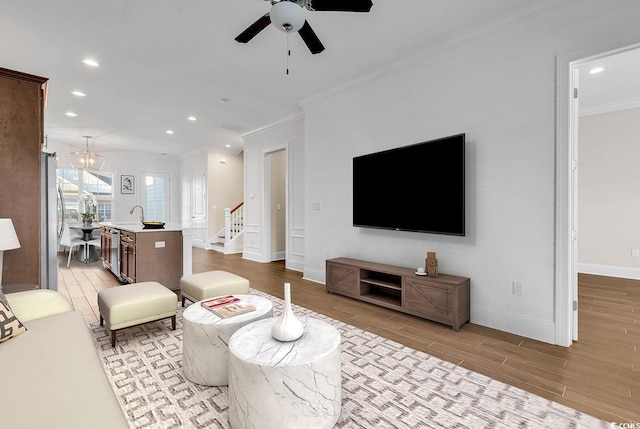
<point x="287" y="327"/>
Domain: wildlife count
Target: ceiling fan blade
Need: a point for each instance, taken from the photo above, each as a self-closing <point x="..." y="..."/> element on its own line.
<point x="310" y="39"/>
<point x="255" y="28"/>
<point x="339" y="5"/>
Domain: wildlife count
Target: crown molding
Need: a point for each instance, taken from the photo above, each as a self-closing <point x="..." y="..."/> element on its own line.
<point x="614" y="106"/>
<point x="477" y="37"/>
<point x="273" y="125"/>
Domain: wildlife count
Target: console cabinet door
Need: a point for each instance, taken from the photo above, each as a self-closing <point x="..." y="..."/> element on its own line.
<point x="105" y="246"/>
<point x="432" y="300"/>
<point x="128" y="256"/>
<point x="128" y="262"/>
<point x="342" y="279"/>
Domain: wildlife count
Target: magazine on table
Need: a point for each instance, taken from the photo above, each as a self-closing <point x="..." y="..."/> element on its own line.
<point x="219" y="301"/>
<point x="233" y="309"/>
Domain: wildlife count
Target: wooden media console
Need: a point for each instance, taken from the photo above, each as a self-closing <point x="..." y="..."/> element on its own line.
<point x="444" y="299"/>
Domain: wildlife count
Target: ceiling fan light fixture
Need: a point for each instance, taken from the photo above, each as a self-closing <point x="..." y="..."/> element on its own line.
<point x="287" y="16"/>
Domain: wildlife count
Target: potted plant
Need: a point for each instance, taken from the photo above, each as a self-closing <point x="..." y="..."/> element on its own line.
<point x="87" y="218"/>
<point x="87" y="215"/>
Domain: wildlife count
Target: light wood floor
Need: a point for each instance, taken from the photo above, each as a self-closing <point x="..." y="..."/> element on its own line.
<point x="599" y="374"/>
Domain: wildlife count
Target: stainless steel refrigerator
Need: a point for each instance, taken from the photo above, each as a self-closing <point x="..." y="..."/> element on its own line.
<point x="52" y="219"/>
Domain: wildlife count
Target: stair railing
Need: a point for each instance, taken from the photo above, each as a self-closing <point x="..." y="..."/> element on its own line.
<point x="233" y="222"/>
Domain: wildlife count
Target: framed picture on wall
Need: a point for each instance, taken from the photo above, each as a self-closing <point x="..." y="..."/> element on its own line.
<point x="126" y="184"/>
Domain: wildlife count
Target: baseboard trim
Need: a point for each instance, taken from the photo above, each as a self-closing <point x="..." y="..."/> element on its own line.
<point x="530" y="327"/>
<point x="317" y="276"/>
<point x="253" y="256"/>
<point x="609" y="271"/>
<point x="295" y="266"/>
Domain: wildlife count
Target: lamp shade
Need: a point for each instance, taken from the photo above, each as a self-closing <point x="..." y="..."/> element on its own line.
<point x="8" y="237"/>
<point x="287" y="16"/>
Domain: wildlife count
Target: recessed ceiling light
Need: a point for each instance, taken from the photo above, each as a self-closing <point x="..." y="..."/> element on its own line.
<point x="79" y="93"/>
<point x="227" y="145"/>
<point x="596" y="70"/>
<point x="71" y="114"/>
<point x="91" y="62"/>
<point x="169" y="131"/>
<point x="191" y="118"/>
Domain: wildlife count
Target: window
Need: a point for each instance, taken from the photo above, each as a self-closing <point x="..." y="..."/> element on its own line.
<point x="155" y="196"/>
<point x="81" y="187"/>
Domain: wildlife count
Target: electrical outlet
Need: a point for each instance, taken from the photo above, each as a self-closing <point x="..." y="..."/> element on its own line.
<point x="518" y="288"/>
<point x="635" y="253"/>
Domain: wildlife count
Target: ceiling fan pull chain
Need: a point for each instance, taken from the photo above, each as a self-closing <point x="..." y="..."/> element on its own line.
<point x="288" y="49"/>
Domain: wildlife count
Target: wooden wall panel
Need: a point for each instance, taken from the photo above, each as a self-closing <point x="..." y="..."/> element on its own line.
<point x="21" y="134"/>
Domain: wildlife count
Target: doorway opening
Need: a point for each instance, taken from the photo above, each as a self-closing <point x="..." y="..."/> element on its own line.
<point x="568" y="96"/>
<point x="275" y="208"/>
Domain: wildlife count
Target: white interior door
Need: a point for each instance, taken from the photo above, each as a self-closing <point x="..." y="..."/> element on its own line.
<point x="155" y="196"/>
<point x="198" y="209"/>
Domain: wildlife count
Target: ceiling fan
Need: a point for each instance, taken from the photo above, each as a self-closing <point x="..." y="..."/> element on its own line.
<point x="288" y="16"/>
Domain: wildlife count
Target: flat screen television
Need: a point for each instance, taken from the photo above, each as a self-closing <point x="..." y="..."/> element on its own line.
<point x="412" y="188"/>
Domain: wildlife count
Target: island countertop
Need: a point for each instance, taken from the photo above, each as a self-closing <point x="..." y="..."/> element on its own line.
<point x="138" y="227"/>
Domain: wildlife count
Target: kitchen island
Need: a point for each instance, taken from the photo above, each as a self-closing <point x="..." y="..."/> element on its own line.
<point x="136" y="254"/>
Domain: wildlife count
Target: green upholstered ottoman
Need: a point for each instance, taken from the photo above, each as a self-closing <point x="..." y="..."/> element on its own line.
<point x="124" y="306"/>
<point x="196" y="287"/>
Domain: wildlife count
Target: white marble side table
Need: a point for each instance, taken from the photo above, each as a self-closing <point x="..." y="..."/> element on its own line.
<point x="282" y="385"/>
<point x="206" y="338"/>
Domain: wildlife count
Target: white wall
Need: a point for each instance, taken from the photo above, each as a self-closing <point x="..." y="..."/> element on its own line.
<point x="608" y="203"/>
<point x="288" y="135"/>
<point x="500" y="91"/>
<point x="224" y="187"/>
<point x="131" y="163"/>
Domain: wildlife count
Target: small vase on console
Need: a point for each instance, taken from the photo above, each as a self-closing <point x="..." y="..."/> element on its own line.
<point x="287" y="327"/>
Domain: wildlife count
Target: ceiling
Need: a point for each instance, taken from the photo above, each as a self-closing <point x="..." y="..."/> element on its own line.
<point x="164" y="60"/>
<point x="616" y="87"/>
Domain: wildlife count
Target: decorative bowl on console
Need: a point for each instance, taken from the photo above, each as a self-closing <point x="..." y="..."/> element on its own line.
<point x="153" y="225"/>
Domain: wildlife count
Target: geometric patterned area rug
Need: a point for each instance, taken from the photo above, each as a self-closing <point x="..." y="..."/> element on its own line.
<point x="384" y="385"/>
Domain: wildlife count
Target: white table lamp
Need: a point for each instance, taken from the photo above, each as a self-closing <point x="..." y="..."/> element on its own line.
<point x="8" y="239"/>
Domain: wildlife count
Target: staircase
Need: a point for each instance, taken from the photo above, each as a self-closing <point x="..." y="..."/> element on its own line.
<point x="230" y="239"/>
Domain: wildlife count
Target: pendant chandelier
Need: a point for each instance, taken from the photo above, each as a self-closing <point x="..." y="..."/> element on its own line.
<point x="86" y="160"/>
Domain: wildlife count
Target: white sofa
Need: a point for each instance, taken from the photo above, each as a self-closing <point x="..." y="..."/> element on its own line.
<point x="52" y="376"/>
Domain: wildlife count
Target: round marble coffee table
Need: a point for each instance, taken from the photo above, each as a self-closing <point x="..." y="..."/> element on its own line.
<point x="206" y="338"/>
<point x="275" y="384"/>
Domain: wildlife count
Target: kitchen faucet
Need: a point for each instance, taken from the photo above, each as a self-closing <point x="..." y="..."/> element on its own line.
<point x="141" y="212"/>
